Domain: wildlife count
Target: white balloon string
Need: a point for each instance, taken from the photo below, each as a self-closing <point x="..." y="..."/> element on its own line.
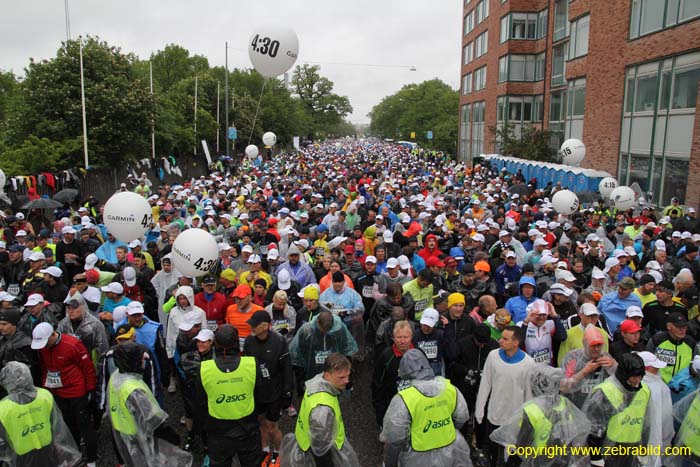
<point x="257" y="109"/>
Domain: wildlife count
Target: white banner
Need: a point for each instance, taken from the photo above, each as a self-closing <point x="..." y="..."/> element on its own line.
<point x="206" y="152"/>
<point x="295" y="142"/>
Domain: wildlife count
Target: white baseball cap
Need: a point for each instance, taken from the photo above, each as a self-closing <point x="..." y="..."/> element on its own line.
<point x="430" y="317"/>
<point x="134" y="244"/>
<point x="37" y="256"/>
<point x="114" y="287"/>
<point x="371" y="259"/>
<point x="247" y="249"/>
<point x="392" y="263"/>
<point x="273" y="254"/>
<point x="52" y="271"/>
<point x="651" y="360"/>
<point x="68" y="230"/>
<point x="34" y="299"/>
<point x="40" y="335"/>
<point x="404" y="262"/>
<point x="254" y="259"/>
<point x="284" y="280"/>
<point x="134" y="308"/>
<point x="634" y="312"/>
<point x="589" y="309"/>
<point x="90" y="261"/>
<point x="205" y="335"/>
<point x="129" y="275"/>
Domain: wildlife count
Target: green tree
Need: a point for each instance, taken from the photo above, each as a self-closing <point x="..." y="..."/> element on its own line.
<point x="419" y="108"/>
<point x="173" y="64"/>
<point x="325" y="108"/>
<point x="531" y="144"/>
<point x="119" y="107"/>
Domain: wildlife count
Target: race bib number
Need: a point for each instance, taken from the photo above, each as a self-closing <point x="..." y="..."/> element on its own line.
<point x="320" y="251"/>
<point x="264" y="371"/>
<point x="241" y="341"/>
<point x="429" y="348"/>
<point x="667" y="356"/>
<point x="53" y="380"/>
<point x="342" y="312"/>
<point x="212" y="324"/>
<point x="367" y="291"/>
<point x="402" y="384"/>
<point x="588" y="385"/>
<point x="321" y="356"/>
<point x="281" y="326"/>
<point x="13" y="289"/>
<point x="421" y="304"/>
<point x="541" y="356"/>
<point x="263" y="249"/>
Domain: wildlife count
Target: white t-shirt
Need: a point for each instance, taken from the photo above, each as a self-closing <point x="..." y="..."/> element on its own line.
<point x="538" y="342"/>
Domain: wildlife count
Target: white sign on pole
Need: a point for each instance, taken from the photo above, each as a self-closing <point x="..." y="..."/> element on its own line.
<point x="295" y="142"/>
<point x="206" y="151"/>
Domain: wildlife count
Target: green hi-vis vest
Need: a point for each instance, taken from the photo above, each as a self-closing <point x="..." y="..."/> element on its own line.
<point x="309" y="403"/>
<point x="676" y="358"/>
<point x="625" y="427"/>
<point x="689" y="433"/>
<point x="229" y="395"/>
<point x="540" y="423"/>
<point x="28" y="426"/>
<point x="432" y="426"/>
<point x="119" y="414"/>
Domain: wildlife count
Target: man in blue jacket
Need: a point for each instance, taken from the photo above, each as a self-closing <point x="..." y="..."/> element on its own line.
<point x="517" y="306"/>
<point x="507" y="272"/>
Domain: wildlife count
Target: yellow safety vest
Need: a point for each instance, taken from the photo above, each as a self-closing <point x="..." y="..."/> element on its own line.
<point x="626" y="425"/>
<point x="28" y="426"/>
<point x="431" y="426"/>
<point x="689" y="433"/>
<point x="310" y="402"/>
<point x="229" y="395"/>
<point x="539" y="421"/>
<point x="120" y="416"/>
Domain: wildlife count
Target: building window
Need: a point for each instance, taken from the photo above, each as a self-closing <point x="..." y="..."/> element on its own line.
<point x="519" y="111"/>
<point x="477" y="129"/>
<point x="467" y="52"/>
<point x="578" y="44"/>
<point x="559" y="65"/>
<point x="657" y="125"/>
<point x="464" y="131"/>
<point x="518" y="68"/>
<point x="561" y="19"/>
<point x="479" y="78"/>
<point x="467" y="83"/>
<point x="469" y="22"/>
<point x="481" y="44"/>
<point x="557" y="118"/>
<point x="482" y="11"/>
<point x="523" y="26"/>
<point x="576" y="97"/>
<point x="649" y="16"/>
<point x="467" y="2"/>
<point x="539" y="66"/>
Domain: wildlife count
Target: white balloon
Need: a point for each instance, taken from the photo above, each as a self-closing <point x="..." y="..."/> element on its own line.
<point x="195" y="252"/>
<point x="273" y="50"/>
<point x="251" y="151"/>
<point x="3" y="179"/>
<point x="127" y="216"/>
<point x="269" y="138"/>
<point x="606" y="186"/>
<point x="565" y="202"/>
<point x="623" y="198"/>
<point x="572" y="151"/>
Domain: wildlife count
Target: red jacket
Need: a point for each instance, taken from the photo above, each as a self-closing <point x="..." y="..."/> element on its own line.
<point x="71" y="359"/>
<point x="215" y="309"/>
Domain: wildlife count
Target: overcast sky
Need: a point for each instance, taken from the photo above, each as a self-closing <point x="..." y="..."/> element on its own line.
<point x="404" y="33"/>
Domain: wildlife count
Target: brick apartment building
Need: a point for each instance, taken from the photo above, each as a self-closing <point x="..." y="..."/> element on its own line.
<point x="621" y="75"/>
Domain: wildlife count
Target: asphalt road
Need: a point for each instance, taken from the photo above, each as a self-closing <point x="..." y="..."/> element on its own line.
<point x="360" y="426"/>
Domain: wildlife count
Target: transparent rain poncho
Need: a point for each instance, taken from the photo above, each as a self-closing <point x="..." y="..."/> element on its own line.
<point x="143" y="448"/>
<point x="323" y="432"/>
<point x="16" y="378"/>
<point x="415" y="370"/>
<point x="685" y="417"/>
<point x="569" y="426"/>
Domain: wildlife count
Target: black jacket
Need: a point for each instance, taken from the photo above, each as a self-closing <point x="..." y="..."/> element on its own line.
<point x="274" y="364"/>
